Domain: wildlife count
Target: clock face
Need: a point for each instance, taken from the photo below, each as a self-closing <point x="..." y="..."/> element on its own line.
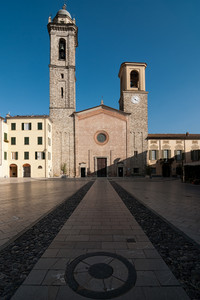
<point x="135" y="99"/>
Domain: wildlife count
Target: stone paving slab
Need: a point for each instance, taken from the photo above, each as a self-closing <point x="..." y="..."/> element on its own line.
<point x="101" y="204"/>
<point x="177" y="202"/>
<point x="25" y="202"/>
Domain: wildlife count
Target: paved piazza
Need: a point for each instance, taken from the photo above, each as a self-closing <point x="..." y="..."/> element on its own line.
<point x="23" y="202"/>
<point x="92" y="253"/>
<point x="177" y="202"/>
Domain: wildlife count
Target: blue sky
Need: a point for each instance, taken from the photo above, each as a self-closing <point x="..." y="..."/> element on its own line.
<point x="163" y="33"/>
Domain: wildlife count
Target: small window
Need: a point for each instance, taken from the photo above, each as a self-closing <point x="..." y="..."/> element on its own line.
<point x="62" y="75"/>
<point x="195" y="155"/>
<point x="26" y="126"/>
<point x="62" y="49"/>
<point x="13" y="126"/>
<point x="134" y="79"/>
<point x="62" y="92"/>
<point x="39" y="126"/>
<point x="166" y="154"/>
<point x="153" y="154"/>
<point x="5" y="155"/>
<point x="39" y="140"/>
<point x="26" y="155"/>
<point x="13" y="141"/>
<point x="135" y="153"/>
<point x="5" y="137"/>
<point x="39" y="167"/>
<point x="178" y="155"/>
<point x="26" y="141"/>
<point x="39" y="155"/>
<point x="14" y="155"/>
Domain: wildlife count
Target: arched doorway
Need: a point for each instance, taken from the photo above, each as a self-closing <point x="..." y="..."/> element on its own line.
<point x="13" y="170"/>
<point x="27" y="170"/>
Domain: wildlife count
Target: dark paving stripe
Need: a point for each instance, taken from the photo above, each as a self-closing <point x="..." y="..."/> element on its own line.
<point x="18" y="258"/>
<point x="181" y="254"/>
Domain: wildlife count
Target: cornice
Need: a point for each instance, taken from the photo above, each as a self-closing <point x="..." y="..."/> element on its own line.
<point x="62" y="67"/>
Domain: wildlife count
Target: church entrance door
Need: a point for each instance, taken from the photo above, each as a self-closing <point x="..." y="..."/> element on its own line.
<point x="82" y="172"/>
<point x="120" y="172"/>
<point x="101" y="167"/>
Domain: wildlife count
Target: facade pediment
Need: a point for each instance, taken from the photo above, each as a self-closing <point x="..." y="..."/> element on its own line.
<point x="101" y="109"/>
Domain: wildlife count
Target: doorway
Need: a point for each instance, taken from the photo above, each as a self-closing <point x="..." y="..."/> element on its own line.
<point x="120" y="172"/>
<point x="27" y="170"/>
<point x="82" y="172"/>
<point x="166" y="170"/>
<point x="101" y="167"/>
<point x="13" y="170"/>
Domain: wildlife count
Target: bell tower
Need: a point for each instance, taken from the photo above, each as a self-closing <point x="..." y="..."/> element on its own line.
<point x="133" y="99"/>
<point x="63" y="42"/>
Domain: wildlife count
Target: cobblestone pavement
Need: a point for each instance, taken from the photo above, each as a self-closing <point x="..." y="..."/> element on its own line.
<point x="23" y="202"/>
<point x="101" y="224"/>
<point x="177" y="202"/>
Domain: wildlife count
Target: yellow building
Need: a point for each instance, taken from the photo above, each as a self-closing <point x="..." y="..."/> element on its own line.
<point x="3" y="148"/>
<point x="29" y="146"/>
<point x="169" y="153"/>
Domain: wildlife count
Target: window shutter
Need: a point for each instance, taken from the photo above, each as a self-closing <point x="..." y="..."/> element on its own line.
<point x="150" y="155"/>
<point x="169" y="153"/>
<point x="198" y="154"/>
<point x="157" y="154"/>
<point x="175" y="154"/>
<point x="16" y="155"/>
<point x="162" y="154"/>
<point x="30" y="126"/>
<point x="35" y="155"/>
<point x="43" y="155"/>
<point x="22" y="126"/>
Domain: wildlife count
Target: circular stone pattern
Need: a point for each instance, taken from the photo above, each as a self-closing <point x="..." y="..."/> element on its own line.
<point x="100" y="275"/>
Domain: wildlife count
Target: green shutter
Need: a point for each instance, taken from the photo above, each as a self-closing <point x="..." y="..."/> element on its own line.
<point x="5" y="155"/>
<point x="39" y="126"/>
<point x="39" y="140"/>
<point x="150" y="154"/>
<point x="35" y="155"/>
<point x="22" y="126"/>
<point x="29" y="126"/>
<point x="157" y="154"/>
<point x="16" y="155"/>
<point x="175" y="154"/>
<point x="43" y="155"/>
<point x="162" y="154"/>
<point x="169" y="153"/>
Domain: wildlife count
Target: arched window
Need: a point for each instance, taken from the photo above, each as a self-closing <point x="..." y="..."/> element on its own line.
<point x="62" y="49"/>
<point x="134" y="79"/>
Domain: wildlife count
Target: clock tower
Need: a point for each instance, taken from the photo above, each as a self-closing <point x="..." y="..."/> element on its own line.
<point x="133" y="100"/>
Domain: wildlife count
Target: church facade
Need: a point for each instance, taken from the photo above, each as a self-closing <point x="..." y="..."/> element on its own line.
<point x="99" y="141"/>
